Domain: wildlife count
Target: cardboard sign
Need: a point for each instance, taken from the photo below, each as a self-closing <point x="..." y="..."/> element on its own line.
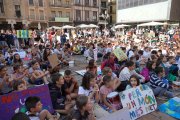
<point x="139" y="100"/>
<point x="122" y="114"/>
<point x="22" y="54"/>
<point x="15" y="101"/>
<point x="54" y="61"/>
<point x="95" y="54"/>
<point x="118" y="52"/>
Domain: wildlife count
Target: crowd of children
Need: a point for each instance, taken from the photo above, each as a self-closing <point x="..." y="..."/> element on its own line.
<point x="156" y="69"/>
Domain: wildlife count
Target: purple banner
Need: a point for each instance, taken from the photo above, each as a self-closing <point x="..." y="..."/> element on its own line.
<point x="15" y="101"/>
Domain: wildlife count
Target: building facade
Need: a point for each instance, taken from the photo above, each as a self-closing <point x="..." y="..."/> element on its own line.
<point x="112" y="11"/>
<point x="107" y="8"/>
<point x="135" y="11"/>
<point x="85" y="11"/>
<point x="30" y="13"/>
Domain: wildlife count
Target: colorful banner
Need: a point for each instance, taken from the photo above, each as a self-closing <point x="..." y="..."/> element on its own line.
<point x="24" y="34"/>
<point x="15" y="101"/>
<point x="171" y="107"/>
<point x="120" y="54"/>
<point x="139" y="100"/>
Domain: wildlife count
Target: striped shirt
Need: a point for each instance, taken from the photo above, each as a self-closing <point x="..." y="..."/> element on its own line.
<point x="155" y="81"/>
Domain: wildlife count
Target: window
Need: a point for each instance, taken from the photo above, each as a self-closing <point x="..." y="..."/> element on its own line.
<point x="123" y="4"/>
<point x="87" y="2"/>
<point x="67" y="2"/>
<point x="111" y="9"/>
<point x="67" y="14"/>
<point x="41" y="14"/>
<point x="18" y="11"/>
<point x="78" y="15"/>
<point x="59" y="14"/>
<point x="77" y="1"/>
<point x="94" y="16"/>
<point x="32" y="14"/>
<point x="103" y="4"/>
<point x="53" y="14"/>
<point x="87" y="15"/>
<point x="94" y="2"/>
<point x="31" y="2"/>
<point x="1" y="6"/>
<point x="41" y="3"/>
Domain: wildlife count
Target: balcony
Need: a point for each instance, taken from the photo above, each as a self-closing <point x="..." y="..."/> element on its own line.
<point x="60" y="19"/>
<point x="41" y="17"/>
<point x="32" y="17"/>
<point x="60" y="5"/>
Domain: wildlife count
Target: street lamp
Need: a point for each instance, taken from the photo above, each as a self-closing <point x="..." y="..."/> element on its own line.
<point x="105" y="16"/>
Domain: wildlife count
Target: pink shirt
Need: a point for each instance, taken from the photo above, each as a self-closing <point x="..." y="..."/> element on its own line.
<point x="105" y="91"/>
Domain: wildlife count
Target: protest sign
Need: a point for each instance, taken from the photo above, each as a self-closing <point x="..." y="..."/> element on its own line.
<point x="14" y="102"/>
<point x="95" y="54"/>
<point x="120" y="54"/>
<point x="24" y="34"/>
<point x="139" y="100"/>
<point x="22" y="54"/>
<point x="171" y="107"/>
<point x="54" y="61"/>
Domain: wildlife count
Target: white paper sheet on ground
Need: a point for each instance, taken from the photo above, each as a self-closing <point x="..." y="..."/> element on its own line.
<point x="82" y="72"/>
<point x="122" y="114"/>
<point x="22" y="54"/>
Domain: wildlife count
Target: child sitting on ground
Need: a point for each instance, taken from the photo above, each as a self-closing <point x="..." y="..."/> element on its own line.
<point x="107" y="71"/>
<point x="71" y="84"/>
<point x="107" y="88"/>
<point x="19" y="86"/>
<point x="133" y="82"/>
<point x="34" y="110"/>
<point x="61" y="101"/>
<point x="38" y="76"/>
<point x="19" y="73"/>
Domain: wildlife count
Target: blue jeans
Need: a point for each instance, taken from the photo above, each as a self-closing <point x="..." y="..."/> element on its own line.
<point x="159" y="91"/>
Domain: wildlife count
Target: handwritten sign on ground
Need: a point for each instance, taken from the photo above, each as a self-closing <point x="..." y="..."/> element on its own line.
<point x="120" y="54"/>
<point x="122" y="114"/>
<point x="54" y="61"/>
<point x="139" y="100"/>
<point x="15" y="101"/>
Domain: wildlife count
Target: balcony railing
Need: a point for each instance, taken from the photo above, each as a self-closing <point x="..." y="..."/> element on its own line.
<point x="60" y="5"/>
<point x="60" y="19"/>
<point x="32" y="17"/>
<point x="41" y="17"/>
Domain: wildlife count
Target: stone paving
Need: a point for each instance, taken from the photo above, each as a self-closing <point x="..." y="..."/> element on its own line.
<point x="81" y="63"/>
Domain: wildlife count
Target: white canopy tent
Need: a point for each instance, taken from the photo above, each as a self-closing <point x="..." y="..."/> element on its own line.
<point x="177" y="24"/>
<point x="55" y="27"/>
<point x="82" y="26"/>
<point x="68" y="27"/>
<point x="121" y="26"/>
<point x="93" y="26"/>
<point x="151" y="24"/>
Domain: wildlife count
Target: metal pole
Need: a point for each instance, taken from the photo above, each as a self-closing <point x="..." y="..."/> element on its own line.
<point x="105" y="22"/>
